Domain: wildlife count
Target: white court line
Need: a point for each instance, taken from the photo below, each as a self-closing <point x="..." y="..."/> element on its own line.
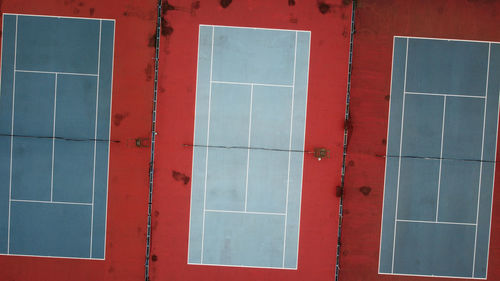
<point x="248" y="150"/>
<point x="437" y="222"/>
<point x="194" y="141"/>
<point x="208" y="138"/>
<point x="430" y="276"/>
<point x="56" y="72"/>
<point x="246" y="212"/>
<point x="52" y="257"/>
<point x="290" y="148"/>
<point x="387" y="158"/>
<point x="444" y="39"/>
<point x="12" y="136"/>
<point x="95" y="137"/>
<point x="399" y="165"/>
<point x="492" y="190"/>
<point x="243" y="266"/>
<point x="481" y="165"/>
<point x="256" y="28"/>
<point x="251" y="84"/>
<point x="303" y="145"/>
<point x="109" y="138"/>
<point x="59" y="17"/>
<point x="445" y="95"/>
<point x="441" y="158"/>
<point x="50" y="202"/>
<point x="53" y="139"/>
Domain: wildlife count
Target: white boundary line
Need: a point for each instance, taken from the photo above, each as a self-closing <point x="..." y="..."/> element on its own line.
<point x="441" y="158"/>
<point x="386" y="159"/>
<point x="53" y="139"/>
<point x="208" y="139"/>
<point x="437" y="222"/>
<point x="431" y="276"/>
<point x="303" y="145"/>
<point x="245" y="212"/>
<point x="290" y="148"/>
<point x="493" y="188"/>
<point x="445" y="39"/>
<point x="248" y="150"/>
<point x="109" y="138"/>
<point x="252" y="84"/>
<point x="95" y="136"/>
<point x="445" y="95"/>
<point x="481" y="165"/>
<point x="58" y="17"/>
<point x="51" y="202"/>
<point x="400" y="152"/>
<point x="12" y="135"/>
<point x="194" y="142"/>
<point x="258" y="28"/>
<point x="53" y="257"/>
<point x="243" y="266"/>
<point x="56" y="72"/>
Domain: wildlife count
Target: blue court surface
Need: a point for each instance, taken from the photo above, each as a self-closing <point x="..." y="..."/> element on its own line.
<point x="55" y="104"/>
<point x="440" y="163"/>
<point x="248" y="147"/>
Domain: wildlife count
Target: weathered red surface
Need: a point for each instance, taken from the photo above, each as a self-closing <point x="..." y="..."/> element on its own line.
<point x="329" y="23"/>
<point x="128" y="168"/>
<point x="376" y="24"/>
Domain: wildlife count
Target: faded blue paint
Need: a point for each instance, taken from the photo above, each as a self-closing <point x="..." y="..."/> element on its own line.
<point x="50" y="229"/>
<point x="243" y="239"/>
<point x="434" y="249"/>
<point x="57" y="44"/>
<point x="251" y="92"/>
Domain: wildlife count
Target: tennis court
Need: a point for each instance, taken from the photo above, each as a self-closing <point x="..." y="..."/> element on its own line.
<point x="248" y="146"/>
<point x="440" y="161"/>
<point x="55" y="125"/>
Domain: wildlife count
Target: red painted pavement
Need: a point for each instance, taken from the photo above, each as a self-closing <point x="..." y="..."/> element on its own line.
<point x="329" y="23"/>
